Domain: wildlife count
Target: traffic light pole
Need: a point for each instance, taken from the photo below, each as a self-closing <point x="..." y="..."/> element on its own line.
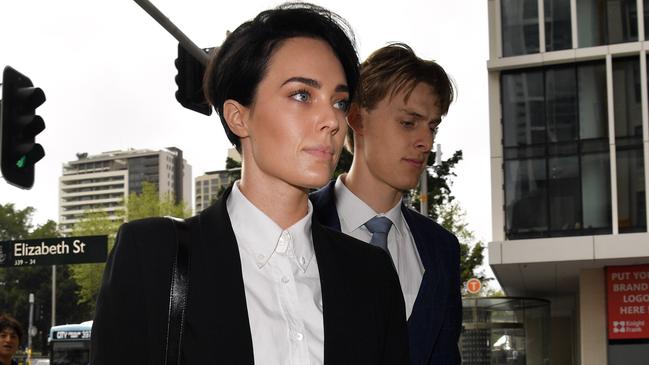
<point x="184" y="41"/>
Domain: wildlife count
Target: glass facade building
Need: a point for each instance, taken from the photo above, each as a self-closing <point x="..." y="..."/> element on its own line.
<point x="569" y="133"/>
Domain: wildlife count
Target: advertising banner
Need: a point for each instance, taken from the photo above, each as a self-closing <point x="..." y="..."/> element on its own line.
<point x="628" y="302"/>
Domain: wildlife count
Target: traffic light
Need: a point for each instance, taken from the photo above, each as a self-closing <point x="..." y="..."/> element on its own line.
<point x="20" y="125"/>
<point x="190" y="82"/>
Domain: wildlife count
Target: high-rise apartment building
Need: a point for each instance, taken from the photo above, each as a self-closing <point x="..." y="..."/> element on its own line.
<point x="210" y="185"/>
<point x="569" y="154"/>
<point x="103" y="182"/>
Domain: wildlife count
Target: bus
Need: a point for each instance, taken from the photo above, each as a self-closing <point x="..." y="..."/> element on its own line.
<point x="70" y="344"/>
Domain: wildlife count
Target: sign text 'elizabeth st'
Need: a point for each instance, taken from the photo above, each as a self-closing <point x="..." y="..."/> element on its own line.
<point x="53" y="251"/>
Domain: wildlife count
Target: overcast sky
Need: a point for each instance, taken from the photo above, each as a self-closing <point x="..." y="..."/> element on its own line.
<point x="107" y="70"/>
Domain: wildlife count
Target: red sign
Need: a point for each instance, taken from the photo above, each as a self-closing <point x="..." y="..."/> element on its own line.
<point x="628" y="301"/>
<point x="473" y="286"/>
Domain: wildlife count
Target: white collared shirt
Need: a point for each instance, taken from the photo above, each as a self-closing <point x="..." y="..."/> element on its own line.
<point x="353" y="213"/>
<point x="282" y="285"/>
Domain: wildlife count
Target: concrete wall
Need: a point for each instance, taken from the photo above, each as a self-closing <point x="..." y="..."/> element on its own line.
<point x="592" y="317"/>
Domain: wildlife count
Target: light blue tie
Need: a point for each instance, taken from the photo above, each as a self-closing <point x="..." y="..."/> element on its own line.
<point x="379" y="226"/>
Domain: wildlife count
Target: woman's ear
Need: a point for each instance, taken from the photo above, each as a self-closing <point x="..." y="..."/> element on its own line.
<point x="236" y="116"/>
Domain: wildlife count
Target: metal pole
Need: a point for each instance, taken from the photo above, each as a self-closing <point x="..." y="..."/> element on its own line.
<point x="53" y="295"/>
<point x="185" y="42"/>
<point x="29" y="330"/>
<point x="423" y="192"/>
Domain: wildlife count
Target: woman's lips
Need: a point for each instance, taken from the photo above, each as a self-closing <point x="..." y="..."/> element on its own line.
<point x="321" y="152"/>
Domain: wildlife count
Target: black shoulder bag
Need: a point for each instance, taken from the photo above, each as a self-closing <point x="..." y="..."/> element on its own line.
<point x="178" y="293"/>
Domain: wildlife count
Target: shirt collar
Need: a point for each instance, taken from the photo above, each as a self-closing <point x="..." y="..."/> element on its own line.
<point x="356" y="212"/>
<point x="260" y="237"/>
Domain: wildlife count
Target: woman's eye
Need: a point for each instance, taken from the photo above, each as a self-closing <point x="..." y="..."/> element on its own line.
<point x="302" y="96"/>
<point x="342" y="105"/>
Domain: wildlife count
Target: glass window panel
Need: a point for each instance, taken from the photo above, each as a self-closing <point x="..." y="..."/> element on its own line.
<point x="526" y="187"/>
<point x="520" y="27"/>
<point x="626" y="91"/>
<point x="561" y="103"/>
<point x="593" y="121"/>
<point x="646" y="20"/>
<point x="591" y="22"/>
<point x="631" y="208"/>
<point x="622" y="21"/>
<point x="565" y="197"/>
<point x="596" y="190"/>
<point x="558" y="34"/>
<point x="523" y="106"/>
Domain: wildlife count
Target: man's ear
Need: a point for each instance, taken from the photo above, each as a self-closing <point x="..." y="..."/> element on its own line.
<point x="354" y="119"/>
<point x="236" y="116"/>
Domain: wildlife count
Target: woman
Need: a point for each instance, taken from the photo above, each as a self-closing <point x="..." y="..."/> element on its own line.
<point x="267" y="285"/>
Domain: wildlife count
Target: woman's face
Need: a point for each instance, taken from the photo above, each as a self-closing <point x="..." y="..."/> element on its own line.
<point x="297" y="123"/>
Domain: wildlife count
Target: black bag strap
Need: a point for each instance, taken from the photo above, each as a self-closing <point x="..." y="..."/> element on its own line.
<point x="178" y="293"/>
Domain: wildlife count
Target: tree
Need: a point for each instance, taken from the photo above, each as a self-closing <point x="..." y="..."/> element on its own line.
<point x="88" y="276"/>
<point x="17" y="282"/>
<point x="143" y="205"/>
<point x="149" y="203"/>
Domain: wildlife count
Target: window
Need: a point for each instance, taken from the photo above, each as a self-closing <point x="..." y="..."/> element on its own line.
<point x="520" y="27"/>
<point x="606" y="22"/>
<point x="558" y="34"/>
<point x="557" y="170"/>
<point x="629" y="150"/>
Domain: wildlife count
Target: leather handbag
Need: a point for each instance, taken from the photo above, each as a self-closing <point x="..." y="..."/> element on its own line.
<point x="178" y="293"/>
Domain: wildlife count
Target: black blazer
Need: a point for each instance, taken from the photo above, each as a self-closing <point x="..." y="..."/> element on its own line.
<point x="362" y="313"/>
<point x="435" y="322"/>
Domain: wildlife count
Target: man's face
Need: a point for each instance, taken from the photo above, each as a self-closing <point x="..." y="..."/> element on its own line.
<point x="8" y="342"/>
<point x="397" y="136"/>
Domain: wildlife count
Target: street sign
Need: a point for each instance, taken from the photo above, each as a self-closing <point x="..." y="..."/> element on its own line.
<point x="473" y="286"/>
<point x="54" y="251"/>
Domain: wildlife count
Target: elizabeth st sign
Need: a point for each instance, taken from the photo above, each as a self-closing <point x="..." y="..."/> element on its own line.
<point x="53" y="251"/>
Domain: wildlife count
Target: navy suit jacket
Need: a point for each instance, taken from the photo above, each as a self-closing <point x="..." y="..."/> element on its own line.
<point x="436" y="320"/>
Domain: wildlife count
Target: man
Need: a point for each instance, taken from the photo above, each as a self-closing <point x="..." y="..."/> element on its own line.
<point x="10" y="336"/>
<point x="394" y="118"/>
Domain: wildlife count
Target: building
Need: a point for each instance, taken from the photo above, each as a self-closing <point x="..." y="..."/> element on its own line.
<point x="103" y="182"/>
<point x="209" y="186"/>
<point x="569" y="150"/>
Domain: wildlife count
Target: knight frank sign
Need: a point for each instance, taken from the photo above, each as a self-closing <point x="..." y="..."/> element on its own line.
<point x="53" y="251"/>
<point x="628" y="302"/>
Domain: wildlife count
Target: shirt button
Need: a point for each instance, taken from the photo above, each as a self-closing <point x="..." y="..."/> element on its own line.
<point x="285" y="279"/>
<point x="298" y="336"/>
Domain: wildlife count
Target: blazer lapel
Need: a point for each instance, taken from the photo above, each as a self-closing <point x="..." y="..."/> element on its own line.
<point x="426" y="318"/>
<point x="324" y="201"/>
<point x="230" y="312"/>
<point x="335" y="312"/>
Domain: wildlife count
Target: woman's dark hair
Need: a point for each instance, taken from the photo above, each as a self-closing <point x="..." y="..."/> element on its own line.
<point x="7" y="321"/>
<point x="240" y="64"/>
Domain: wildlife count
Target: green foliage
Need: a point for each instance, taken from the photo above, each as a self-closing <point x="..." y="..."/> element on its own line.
<point x="88" y="276"/>
<point x="144" y="205"/>
<point x="17" y="282"/>
<point x="150" y="204"/>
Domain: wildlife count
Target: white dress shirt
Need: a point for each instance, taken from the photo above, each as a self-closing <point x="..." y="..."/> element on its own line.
<point x="282" y="285"/>
<point x="353" y="213"/>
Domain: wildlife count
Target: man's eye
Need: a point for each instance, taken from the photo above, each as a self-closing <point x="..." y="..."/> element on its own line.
<point x="407" y="123"/>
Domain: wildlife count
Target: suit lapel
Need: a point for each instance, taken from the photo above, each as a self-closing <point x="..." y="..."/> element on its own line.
<point x="334" y="289"/>
<point x="230" y="312"/>
<point x="426" y="317"/>
<point x="325" y="210"/>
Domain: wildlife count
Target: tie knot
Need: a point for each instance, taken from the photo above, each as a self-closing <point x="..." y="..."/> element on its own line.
<point x="379" y="225"/>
